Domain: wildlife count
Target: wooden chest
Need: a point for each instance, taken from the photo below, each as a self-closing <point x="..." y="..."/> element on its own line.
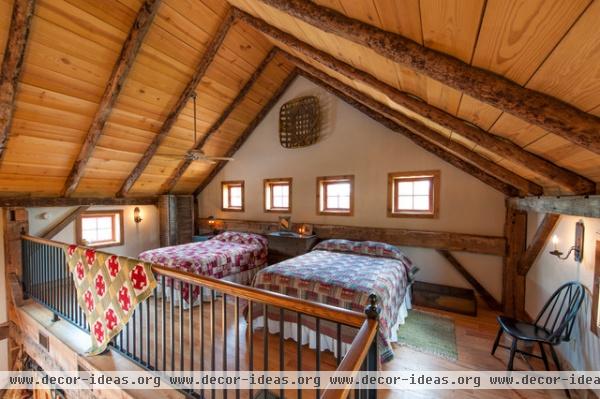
<point x="283" y="246"/>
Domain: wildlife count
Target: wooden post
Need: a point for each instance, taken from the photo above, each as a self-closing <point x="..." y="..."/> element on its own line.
<point x="16" y="223"/>
<point x="513" y="284"/>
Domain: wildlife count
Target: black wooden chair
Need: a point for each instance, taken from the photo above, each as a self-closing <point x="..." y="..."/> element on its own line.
<point x="552" y="326"/>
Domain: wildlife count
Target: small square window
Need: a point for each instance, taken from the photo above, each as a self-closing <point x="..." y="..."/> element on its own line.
<point x="232" y="198"/>
<point x="413" y="194"/>
<point x="335" y="195"/>
<point x="100" y="228"/>
<point x="278" y="195"/>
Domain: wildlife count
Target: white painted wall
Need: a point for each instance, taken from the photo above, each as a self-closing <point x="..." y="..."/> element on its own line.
<point x="3" y="306"/>
<point x="354" y="144"/>
<point x="548" y="273"/>
<point x="138" y="237"/>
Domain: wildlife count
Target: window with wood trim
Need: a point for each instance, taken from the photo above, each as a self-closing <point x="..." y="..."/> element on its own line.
<point x="414" y="194"/>
<point x="100" y="228"/>
<point x="232" y="196"/>
<point x="278" y="195"/>
<point x="335" y="195"/>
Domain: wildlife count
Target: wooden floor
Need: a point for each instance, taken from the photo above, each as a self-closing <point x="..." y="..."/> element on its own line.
<point x="474" y="337"/>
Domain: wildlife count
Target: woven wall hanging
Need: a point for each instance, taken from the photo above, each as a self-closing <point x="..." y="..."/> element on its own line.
<point x="299" y="122"/>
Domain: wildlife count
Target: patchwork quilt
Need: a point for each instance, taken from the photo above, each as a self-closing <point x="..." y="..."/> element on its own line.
<point x="109" y="288"/>
<point x="343" y="273"/>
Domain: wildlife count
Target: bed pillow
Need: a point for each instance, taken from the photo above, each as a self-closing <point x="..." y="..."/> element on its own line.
<point x="242" y="238"/>
<point x="371" y="248"/>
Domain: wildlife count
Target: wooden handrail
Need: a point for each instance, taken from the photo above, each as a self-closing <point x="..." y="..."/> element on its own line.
<point x="355" y="357"/>
<point x="323" y="311"/>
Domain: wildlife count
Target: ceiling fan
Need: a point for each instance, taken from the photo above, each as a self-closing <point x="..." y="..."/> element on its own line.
<point x="195" y="154"/>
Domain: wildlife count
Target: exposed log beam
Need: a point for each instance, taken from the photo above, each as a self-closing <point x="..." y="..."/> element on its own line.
<point x="451" y="241"/>
<point x="427" y="145"/>
<point x="12" y="64"/>
<point x="185" y="96"/>
<point x="485" y="295"/>
<point x="539" y="242"/>
<point x="121" y="69"/>
<point x="536" y="108"/>
<point x="585" y="206"/>
<point x="567" y="180"/>
<point x="183" y="165"/>
<point x="249" y="129"/>
<point x="74" y="201"/>
<point x="524" y="185"/>
<point x="513" y="284"/>
<point x="64" y="222"/>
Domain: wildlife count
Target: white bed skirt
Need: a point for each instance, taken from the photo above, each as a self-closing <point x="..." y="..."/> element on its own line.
<point x="309" y="336"/>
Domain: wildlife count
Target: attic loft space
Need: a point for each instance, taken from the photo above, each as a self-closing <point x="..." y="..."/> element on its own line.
<point x="294" y="186"/>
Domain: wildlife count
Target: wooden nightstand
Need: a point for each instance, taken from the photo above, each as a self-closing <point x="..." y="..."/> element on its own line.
<point x="285" y="245"/>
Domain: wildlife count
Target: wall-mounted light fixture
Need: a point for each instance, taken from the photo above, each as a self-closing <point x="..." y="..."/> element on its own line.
<point x="577" y="247"/>
<point x="136" y="215"/>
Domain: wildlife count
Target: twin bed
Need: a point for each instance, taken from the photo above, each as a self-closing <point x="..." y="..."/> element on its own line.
<point x="336" y="272"/>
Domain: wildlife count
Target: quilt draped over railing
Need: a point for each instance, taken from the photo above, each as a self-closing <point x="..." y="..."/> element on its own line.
<point x="109" y="288"/>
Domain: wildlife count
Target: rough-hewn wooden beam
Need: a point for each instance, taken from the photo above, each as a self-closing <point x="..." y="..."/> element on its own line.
<point x="567" y="180"/>
<point x="539" y="242"/>
<point x="249" y="129"/>
<point x="585" y="206"/>
<point x="485" y="295"/>
<point x="14" y="53"/>
<point x="185" y="96"/>
<point x="451" y="241"/>
<point x="183" y="165"/>
<point x="74" y="201"/>
<point x="64" y="222"/>
<point x="121" y="69"/>
<point x="536" y="108"/>
<point x="513" y="284"/>
<point x="427" y="145"/>
<point x="524" y="185"/>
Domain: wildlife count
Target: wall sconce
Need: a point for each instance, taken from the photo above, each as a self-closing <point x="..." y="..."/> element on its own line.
<point x="577" y="247"/>
<point x="136" y="215"/>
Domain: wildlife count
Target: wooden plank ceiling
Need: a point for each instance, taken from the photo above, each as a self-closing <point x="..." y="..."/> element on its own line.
<point x="550" y="46"/>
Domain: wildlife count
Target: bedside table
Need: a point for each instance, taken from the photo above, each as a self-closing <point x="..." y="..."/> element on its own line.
<point x="285" y="245"/>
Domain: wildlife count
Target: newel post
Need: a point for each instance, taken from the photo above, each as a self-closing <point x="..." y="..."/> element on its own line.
<point x="372" y="362"/>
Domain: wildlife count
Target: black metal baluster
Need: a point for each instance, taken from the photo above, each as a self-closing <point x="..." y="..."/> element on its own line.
<point x="251" y="338"/>
<point x="299" y="347"/>
<point x="212" y="330"/>
<point x="172" y="322"/>
<point x="339" y="343"/>
<point x="148" y="335"/>
<point x="318" y="354"/>
<point x="181" y="327"/>
<point x="266" y="342"/>
<point x="141" y="326"/>
<point x="236" y="311"/>
<point x="134" y="334"/>
<point x="202" y="335"/>
<point x="164" y="324"/>
<point x="281" y="348"/>
<point x="155" y="296"/>
<point x="224" y="330"/>
<point x="191" y="302"/>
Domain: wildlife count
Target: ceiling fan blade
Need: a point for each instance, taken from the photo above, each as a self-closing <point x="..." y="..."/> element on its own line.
<point x="220" y="158"/>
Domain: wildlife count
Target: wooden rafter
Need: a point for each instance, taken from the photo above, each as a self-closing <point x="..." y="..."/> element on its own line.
<point x="249" y="129"/>
<point x="536" y="108"/>
<point x="485" y="295"/>
<point x="427" y="145"/>
<point x="183" y="165"/>
<point x="74" y="201"/>
<point x="422" y="130"/>
<point x="64" y="222"/>
<point x="185" y="96"/>
<point x="585" y="206"/>
<point x="538" y="243"/>
<point x="12" y="64"/>
<point x="567" y="180"/>
<point x="121" y="69"/>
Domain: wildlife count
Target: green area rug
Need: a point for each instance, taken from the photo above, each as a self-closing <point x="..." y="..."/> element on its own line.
<point x="429" y="333"/>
